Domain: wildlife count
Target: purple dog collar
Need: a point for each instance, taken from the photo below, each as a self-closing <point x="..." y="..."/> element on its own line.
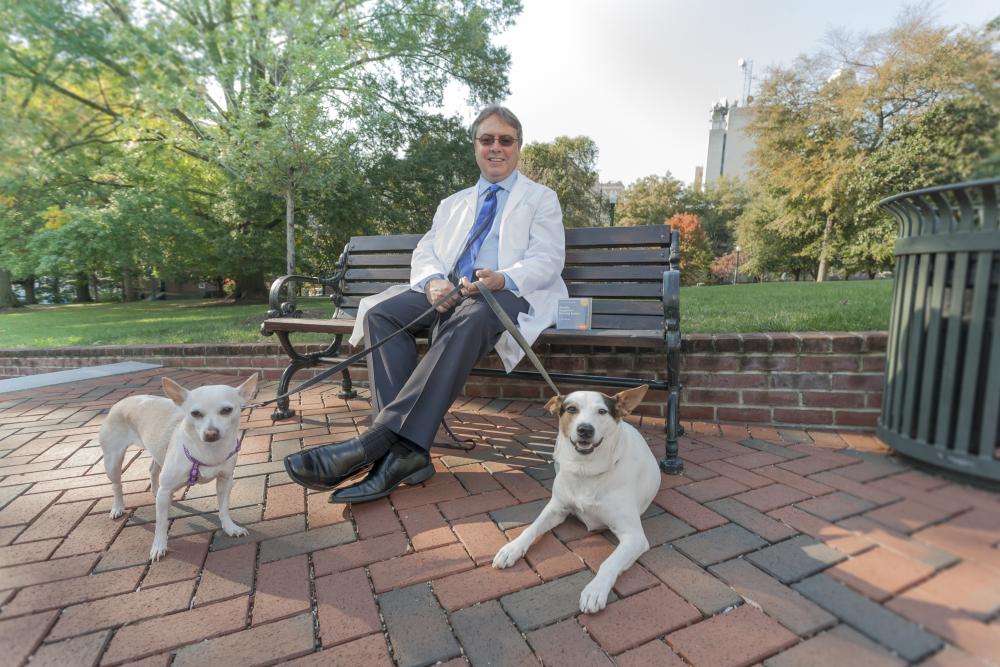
<point x="196" y="465"/>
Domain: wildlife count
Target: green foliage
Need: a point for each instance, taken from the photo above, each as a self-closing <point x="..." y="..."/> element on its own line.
<point x="765" y="249"/>
<point x="717" y="207"/>
<point x="649" y="201"/>
<point x="438" y="161"/>
<point x="912" y="106"/>
<point x="568" y="165"/>
<point x="268" y="108"/>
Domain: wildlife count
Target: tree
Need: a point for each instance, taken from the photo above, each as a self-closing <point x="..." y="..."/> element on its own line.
<point x="649" y="201"/>
<point x="696" y="252"/>
<point x="717" y="207"/>
<point x="568" y="165"/>
<point x="767" y="247"/>
<point x="827" y="127"/>
<point x="273" y="94"/>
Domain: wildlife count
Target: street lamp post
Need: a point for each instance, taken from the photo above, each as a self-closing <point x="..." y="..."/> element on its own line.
<point x="613" y="199"/>
<point x="736" y="273"/>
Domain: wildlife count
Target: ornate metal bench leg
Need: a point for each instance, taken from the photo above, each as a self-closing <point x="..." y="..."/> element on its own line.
<point x="346" y="387"/>
<point x="671" y="463"/>
<point x="283" y="411"/>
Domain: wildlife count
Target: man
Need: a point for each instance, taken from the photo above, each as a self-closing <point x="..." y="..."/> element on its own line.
<point x="507" y="232"/>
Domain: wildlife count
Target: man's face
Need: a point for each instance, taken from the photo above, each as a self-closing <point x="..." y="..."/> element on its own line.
<point x="496" y="162"/>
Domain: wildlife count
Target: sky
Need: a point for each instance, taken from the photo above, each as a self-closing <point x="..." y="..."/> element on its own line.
<point x="640" y="77"/>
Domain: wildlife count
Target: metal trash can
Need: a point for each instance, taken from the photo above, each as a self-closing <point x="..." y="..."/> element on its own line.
<point x="941" y="402"/>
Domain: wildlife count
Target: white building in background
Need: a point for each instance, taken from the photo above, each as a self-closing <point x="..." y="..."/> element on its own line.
<point x="729" y="144"/>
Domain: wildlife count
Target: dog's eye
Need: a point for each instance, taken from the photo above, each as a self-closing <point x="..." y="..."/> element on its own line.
<point x="197" y="414"/>
<point x="602" y="411"/>
<point x="572" y="410"/>
<point x="225" y="411"/>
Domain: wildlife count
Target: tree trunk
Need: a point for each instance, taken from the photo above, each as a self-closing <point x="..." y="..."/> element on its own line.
<point x="250" y="287"/>
<point x="81" y="283"/>
<point x="56" y="289"/>
<point x="7" y="297"/>
<point x="128" y="286"/>
<point x="29" y="290"/>
<point x="824" y="252"/>
<point x="94" y="283"/>
<point x="290" y="234"/>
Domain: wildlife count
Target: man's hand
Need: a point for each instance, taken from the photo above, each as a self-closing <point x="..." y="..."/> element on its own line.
<point x="437" y="288"/>
<point x="494" y="280"/>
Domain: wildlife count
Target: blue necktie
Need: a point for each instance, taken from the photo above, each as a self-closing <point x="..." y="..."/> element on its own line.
<point x="484" y="221"/>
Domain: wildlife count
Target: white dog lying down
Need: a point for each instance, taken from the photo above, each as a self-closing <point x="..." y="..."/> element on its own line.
<point x="192" y="437"/>
<point x="605" y="475"/>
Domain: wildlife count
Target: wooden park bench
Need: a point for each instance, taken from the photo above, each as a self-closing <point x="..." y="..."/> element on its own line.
<point x="631" y="273"/>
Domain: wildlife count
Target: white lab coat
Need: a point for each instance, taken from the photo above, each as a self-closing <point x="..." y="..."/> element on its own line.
<point x="532" y="252"/>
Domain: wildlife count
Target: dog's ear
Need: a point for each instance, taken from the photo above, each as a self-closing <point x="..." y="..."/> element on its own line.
<point x="174" y="391"/>
<point x="248" y="388"/>
<point x="554" y="404"/>
<point x="628" y="400"/>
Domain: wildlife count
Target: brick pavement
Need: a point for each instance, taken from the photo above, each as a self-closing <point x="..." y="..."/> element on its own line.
<point x="777" y="546"/>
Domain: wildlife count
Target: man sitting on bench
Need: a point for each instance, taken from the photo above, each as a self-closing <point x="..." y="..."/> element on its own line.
<point x="506" y="231"/>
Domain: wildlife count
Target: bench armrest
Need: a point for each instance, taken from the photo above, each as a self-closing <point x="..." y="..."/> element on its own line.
<point x="672" y="309"/>
<point x="279" y="308"/>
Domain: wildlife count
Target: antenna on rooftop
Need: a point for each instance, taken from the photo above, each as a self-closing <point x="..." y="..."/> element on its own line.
<point x="747" y="67"/>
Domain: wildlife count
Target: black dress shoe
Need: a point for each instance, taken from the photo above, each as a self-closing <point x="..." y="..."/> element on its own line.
<point x="323" y="468"/>
<point x="389" y="472"/>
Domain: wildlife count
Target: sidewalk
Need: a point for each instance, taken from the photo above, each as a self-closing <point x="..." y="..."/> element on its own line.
<point x="775" y="547"/>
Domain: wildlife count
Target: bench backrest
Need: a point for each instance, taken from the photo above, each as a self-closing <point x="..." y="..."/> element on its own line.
<point x="620" y="268"/>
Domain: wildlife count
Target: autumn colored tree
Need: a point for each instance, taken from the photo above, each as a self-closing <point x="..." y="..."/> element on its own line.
<point x="696" y="251"/>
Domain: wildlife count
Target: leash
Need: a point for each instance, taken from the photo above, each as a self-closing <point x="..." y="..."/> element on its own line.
<point x="515" y="332"/>
<point x="490" y="301"/>
<point x="358" y="355"/>
<point x="196" y="465"/>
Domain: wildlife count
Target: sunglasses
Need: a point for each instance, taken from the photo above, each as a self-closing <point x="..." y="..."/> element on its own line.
<point x="488" y="139"/>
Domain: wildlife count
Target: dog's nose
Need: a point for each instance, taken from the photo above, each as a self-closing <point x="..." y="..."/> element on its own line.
<point x="211" y="435"/>
<point x="585" y="431"/>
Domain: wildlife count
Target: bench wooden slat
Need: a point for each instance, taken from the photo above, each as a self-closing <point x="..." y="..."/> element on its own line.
<point x="626" y="321"/>
<point x="600" y="306"/>
<point x="404" y="242"/>
<point x="618" y="236"/>
<point x="598" y="290"/>
<point x="400" y="274"/>
<point x="379" y="273"/>
<point x="393" y="259"/>
<point x="641" y="235"/>
<point x="614" y="273"/>
<point x="576" y="256"/>
<point x="647" y="290"/>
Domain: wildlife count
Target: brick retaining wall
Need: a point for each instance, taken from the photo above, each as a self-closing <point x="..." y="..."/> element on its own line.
<point x="796" y="379"/>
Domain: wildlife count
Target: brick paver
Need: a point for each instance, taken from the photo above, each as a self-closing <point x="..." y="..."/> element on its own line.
<point x="738" y="638"/>
<point x="778" y="601"/>
<point x="778" y="547"/>
<point x="567" y="645"/>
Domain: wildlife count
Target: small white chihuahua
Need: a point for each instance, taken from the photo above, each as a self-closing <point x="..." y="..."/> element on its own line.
<point x="193" y="439"/>
<point x="605" y="475"/>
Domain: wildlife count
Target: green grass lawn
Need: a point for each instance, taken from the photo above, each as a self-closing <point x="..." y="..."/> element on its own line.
<point x="832" y="306"/>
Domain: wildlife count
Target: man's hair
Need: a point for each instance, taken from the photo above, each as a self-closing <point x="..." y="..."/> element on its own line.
<point x="506" y="115"/>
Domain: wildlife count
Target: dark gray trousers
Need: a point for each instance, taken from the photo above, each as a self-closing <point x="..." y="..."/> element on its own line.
<point x="410" y="396"/>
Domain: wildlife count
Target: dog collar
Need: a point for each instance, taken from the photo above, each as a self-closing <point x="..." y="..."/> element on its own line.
<point x="196" y="465"/>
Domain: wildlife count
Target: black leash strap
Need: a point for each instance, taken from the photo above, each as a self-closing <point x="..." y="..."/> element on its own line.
<point x="487" y="296"/>
<point x="354" y="357"/>
<point x="515" y="332"/>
